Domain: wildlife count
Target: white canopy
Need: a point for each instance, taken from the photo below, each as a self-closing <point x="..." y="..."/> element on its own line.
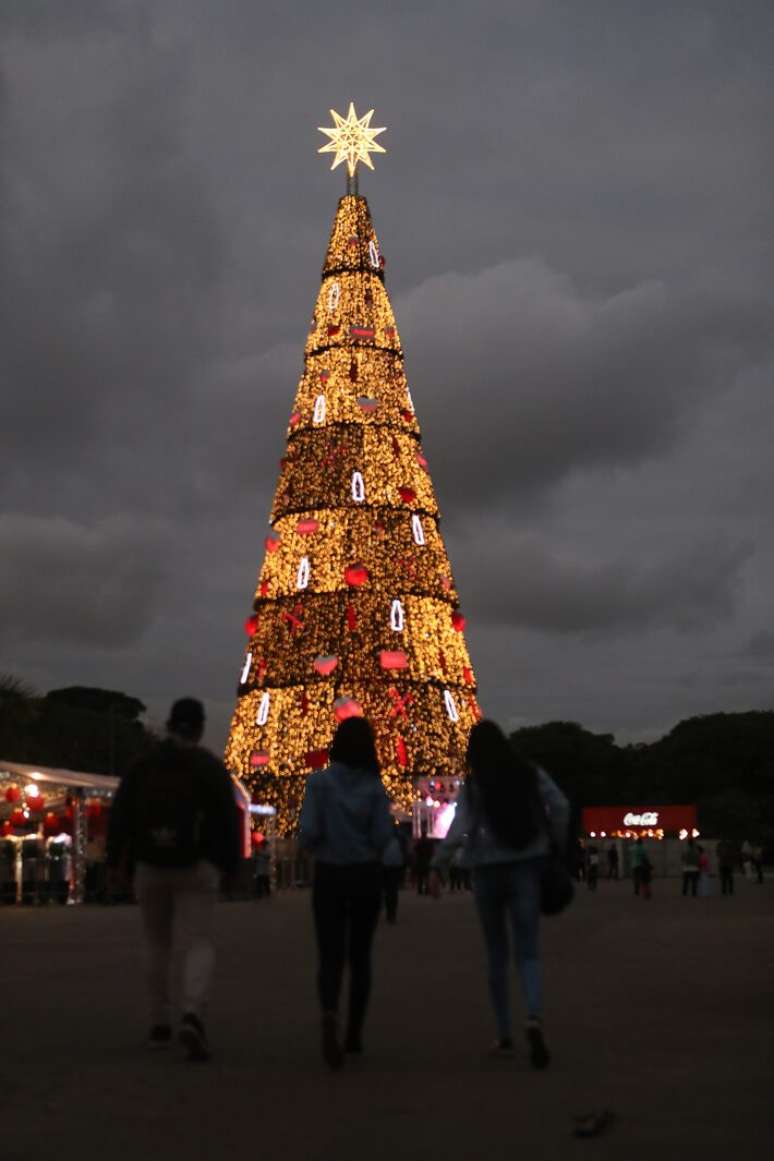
<point x="107" y="783"/>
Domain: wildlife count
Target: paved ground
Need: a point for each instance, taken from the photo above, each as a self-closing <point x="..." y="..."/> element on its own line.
<point x="661" y="1010"/>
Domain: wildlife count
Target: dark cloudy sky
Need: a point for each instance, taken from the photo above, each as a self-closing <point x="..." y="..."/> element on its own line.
<point x="576" y="211"/>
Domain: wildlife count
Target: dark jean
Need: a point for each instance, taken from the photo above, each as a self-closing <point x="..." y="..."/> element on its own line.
<point x="509" y="893"/>
<point x="346" y="902"/>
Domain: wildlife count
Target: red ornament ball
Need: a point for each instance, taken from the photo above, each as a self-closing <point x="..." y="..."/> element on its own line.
<point x="458" y="621"/>
<point x="12" y="794"/>
<point x="36" y="802"/>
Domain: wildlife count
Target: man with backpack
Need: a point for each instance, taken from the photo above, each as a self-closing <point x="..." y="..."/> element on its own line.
<point x="175" y="823"/>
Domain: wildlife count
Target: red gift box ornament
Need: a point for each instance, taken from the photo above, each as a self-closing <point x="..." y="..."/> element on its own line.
<point x="406" y="414"/>
<point x="347" y="707"/>
<point x="259" y="758"/>
<point x="356" y="575"/>
<point x="272" y="542"/>
<point x="326" y="663"/>
<point x="251" y="625"/>
<point x="393" y="659"/>
<point x="333" y="330"/>
<point x="316" y="759"/>
<point x="467" y="674"/>
<point x="389" y="332"/>
<point x="367" y="404"/>
<point x="407" y="495"/>
<point x="458" y="621"/>
<point x="307" y="527"/>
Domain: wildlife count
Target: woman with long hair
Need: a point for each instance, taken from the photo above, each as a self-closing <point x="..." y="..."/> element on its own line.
<point x="507" y="814"/>
<point x="346" y="824"/>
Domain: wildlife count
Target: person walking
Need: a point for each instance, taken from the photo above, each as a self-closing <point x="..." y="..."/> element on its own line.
<point x="423" y="853"/>
<point x="174" y="822"/>
<point x="639" y="863"/>
<point x="592" y="867"/>
<point x="612" y="861"/>
<point x="690" y="861"/>
<point x="346" y="824"/>
<point x="705" y="882"/>
<point x="393" y="869"/>
<point x="728" y="860"/>
<point x="756" y="860"/>
<point x="506" y="811"/>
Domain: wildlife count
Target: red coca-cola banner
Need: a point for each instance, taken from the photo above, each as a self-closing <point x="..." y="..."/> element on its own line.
<point x="669" y="819"/>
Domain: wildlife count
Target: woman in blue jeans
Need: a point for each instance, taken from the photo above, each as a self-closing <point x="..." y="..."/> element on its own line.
<point x="503" y="816"/>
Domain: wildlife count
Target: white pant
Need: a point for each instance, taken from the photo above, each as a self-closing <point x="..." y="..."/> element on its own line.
<point x="178" y="902"/>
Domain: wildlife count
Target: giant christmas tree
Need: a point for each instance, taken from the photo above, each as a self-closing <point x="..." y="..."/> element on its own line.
<point x="356" y="610"/>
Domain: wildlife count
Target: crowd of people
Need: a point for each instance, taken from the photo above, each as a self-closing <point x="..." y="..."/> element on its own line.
<point x="174" y="838"/>
<point x="174" y="829"/>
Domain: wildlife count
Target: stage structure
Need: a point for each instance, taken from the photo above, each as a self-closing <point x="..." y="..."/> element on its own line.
<point x="356" y="610"/>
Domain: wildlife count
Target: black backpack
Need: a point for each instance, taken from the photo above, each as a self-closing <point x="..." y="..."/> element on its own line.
<point x="170" y="807"/>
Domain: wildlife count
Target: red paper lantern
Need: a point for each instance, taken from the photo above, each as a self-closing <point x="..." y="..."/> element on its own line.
<point x="18" y="817"/>
<point x="35" y="802"/>
<point x="356" y="575"/>
<point x="458" y="621"/>
<point x="12" y="794"/>
<point x="251" y="625"/>
<point x="407" y="495"/>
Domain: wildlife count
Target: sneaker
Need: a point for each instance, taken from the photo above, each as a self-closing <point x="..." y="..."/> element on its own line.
<point x="538" y="1053"/>
<point x="331" y="1049"/>
<point x="502" y="1049"/>
<point x="193" y="1038"/>
<point x="160" y="1036"/>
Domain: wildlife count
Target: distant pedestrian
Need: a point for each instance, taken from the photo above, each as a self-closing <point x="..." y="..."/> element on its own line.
<point x="747" y="859"/>
<point x="262" y="868"/>
<point x="423" y="853"/>
<point x="640" y="865"/>
<point x="756" y="859"/>
<point x="592" y="867"/>
<point x="503" y="814"/>
<point x="346" y="824"/>
<point x="457" y="870"/>
<point x="728" y="860"/>
<point x="690" y="861"/>
<point x="612" y="861"/>
<point x="175" y="821"/>
<point x="705" y="882"/>
<point x="393" y="871"/>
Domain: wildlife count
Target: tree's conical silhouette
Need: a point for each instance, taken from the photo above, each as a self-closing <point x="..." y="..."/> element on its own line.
<point x="356" y="609"/>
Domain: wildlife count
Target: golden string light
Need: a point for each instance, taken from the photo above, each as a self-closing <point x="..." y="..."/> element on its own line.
<point x="355" y="609"/>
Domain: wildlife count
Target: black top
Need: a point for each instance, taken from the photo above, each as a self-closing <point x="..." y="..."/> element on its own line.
<point x="175" y="806"/>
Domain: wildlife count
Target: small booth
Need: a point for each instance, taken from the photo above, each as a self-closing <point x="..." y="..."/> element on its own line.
<point x="663" y="828"/>
<point x="435" y="804"/>
<point x="53" y="827"/>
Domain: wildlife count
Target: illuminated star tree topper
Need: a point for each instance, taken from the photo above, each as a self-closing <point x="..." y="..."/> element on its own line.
<point x="351" y="140"/>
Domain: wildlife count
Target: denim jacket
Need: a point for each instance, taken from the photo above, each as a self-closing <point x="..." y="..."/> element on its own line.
<point x="345" y="817"/>
<point x="482" y="848"/>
